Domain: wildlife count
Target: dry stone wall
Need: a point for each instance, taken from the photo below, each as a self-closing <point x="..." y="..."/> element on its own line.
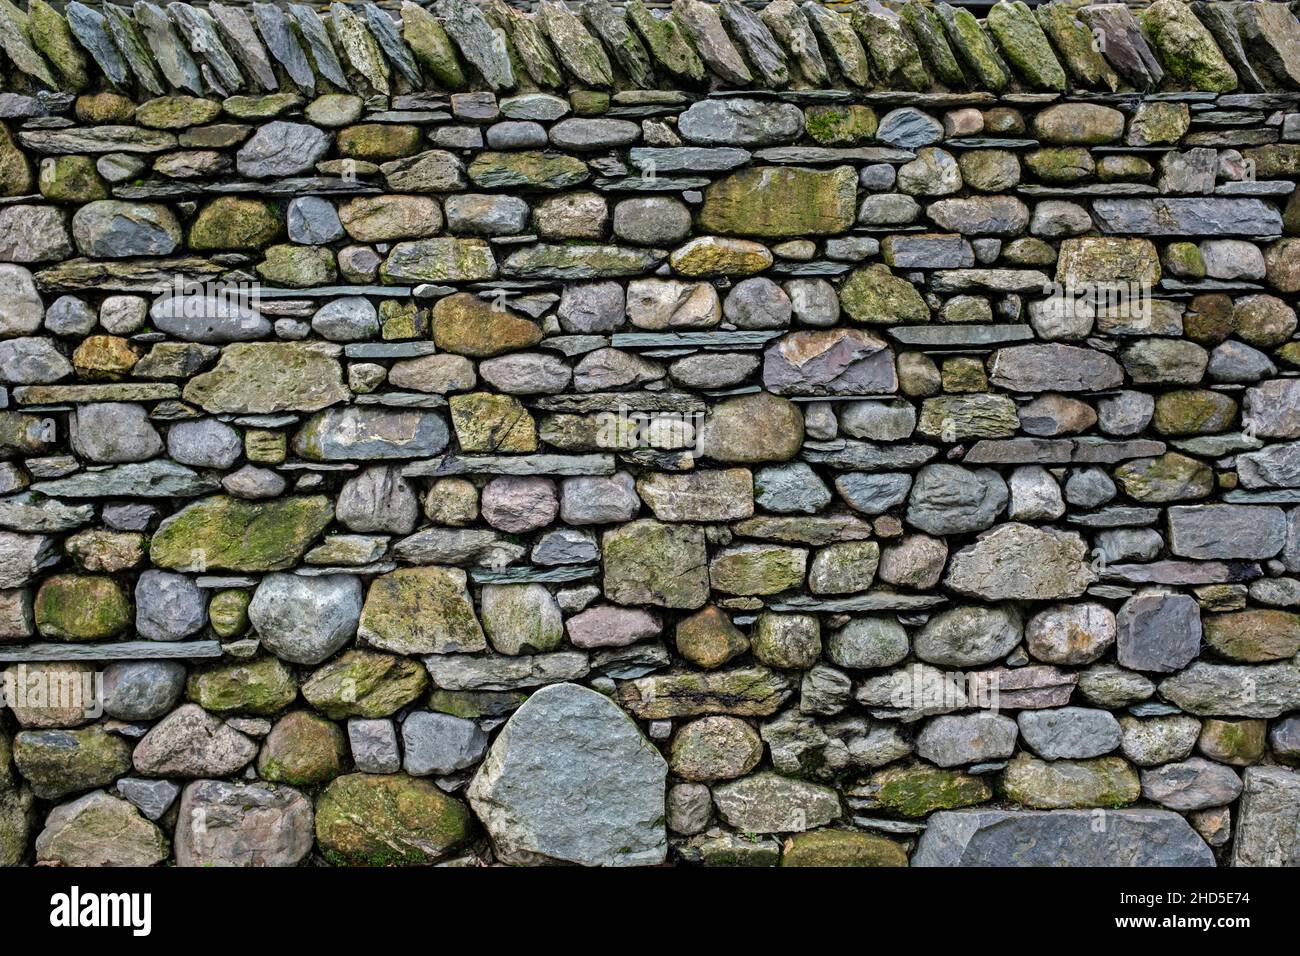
<point x="800" y="435"/>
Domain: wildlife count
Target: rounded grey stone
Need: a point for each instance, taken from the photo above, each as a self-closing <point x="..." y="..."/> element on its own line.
<point x="204" y="443"/>
<point x="313" y="221"/>
<point x="113" y="432"/>
<point x="168" y="607"/>
<point x="1069" y="733"/>
<point x="142" y="690"/>
<point x="440" y="743"/>
<point x="351" y="318"/>
<point x="304" y="620"/>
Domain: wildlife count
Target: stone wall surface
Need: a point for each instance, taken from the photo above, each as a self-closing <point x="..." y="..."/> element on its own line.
<point x="811" y="435"/>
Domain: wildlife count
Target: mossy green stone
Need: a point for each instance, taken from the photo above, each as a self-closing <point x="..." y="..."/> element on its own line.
<point x="432" y="46"/>
<point x="422" y="610"/>
<point x="176" y="112"/>
<point x="362" y="683"/>
<point x="471" y="704"/>
<point x="486" y="422"/>
<point x="259" y="688"/>
<point x="589" y="102"/>
<point x="1069" y="784"/>
<point x="298" y="267"/>
<point x="262" y="378"/>
<point x="302" y="750"/>
<point x="841" y="848"/>
<point x="1239" y="743"/>
<point x="59" y="762"/>
<point x="528" y="170"/>
<point x="1275" y="161"/>
<point x="71" y="179"/>
<point x="1158" y="123"/>
<point x="81" y="607"/>
<point x="236" y="223"/>
<point x="105" y="107"/>
<point x="379" y="142"/>
<point x="442" y="259"/>
<point x="761" y="569"/>
<point x="916" y="790"/>
<point x="1170" y="477"/>
<point x="464" y="324"/>
<point x="1186" y="48"/>
<point x="840" y="124"/>
<point x="52" y="36"/>
<point x="667" y="43"/>
<point x="647" y="562"/>
<point x="1183" y="260"/>
<point x="1060" y="164"/>
<point x="975" y="48"/>
<point x="15" y="170"/>
<point x="1255" y="635"/>
<point x="927" y="31"/>
<point x="1076" y="46"/>
<point x="229" y="534"/>
<point x="17" y="819"/>
<point x="389" y="820"/>
<point x="877" y="296"/>
<point x="954" y="418"/>
<point x="260" y="107"/>
<point x="1193" y="412"/>
<point x="228" y="612"/>
<point x="1024" y="45"/>
<point x="781" y="202"/>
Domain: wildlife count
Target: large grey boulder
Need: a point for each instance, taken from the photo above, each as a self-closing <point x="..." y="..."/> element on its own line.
<point x="1060" y="838"/>
<point x="1268" y="820"/>
<point x="570" y="778"/>
<point x="168" y="606"/>
<point x="304" y="620"/>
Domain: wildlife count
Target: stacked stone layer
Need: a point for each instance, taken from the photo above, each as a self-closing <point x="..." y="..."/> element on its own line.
<point x="796" y="436"/>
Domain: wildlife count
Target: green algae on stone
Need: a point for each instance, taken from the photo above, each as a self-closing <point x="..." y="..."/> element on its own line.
<point x="60" y="762"/>
<point x="954" y="418"/>
<point x="421" y="610"/>
<point x="432" y="46"/>
<point x="744" y="691"/>
<point x="176" y="112"/>
<point x="1184" y="260"/>
<point x="302" y="750"/>
<point x="228" y="534"/>
<point x="237" y="224"/>
<point x="781" y="202"/>
<point x="841" y="848"/>
<point x="1060" y="164"/>
<point x="840" y="124"/>
<point x="464" y="324"/>
<point x="359" y="47"/>
<point x="81" y="607"/>
<point x="1025" y="45"/>
<point x="15" y="170"/>
<point x="1255" y="635"/>
<point x="1076" y="46"/>
<point x="389" y="820"/>
<point x="261" y="378"/>
<point x="472" y="704"/>
<point x="379" y="142"/>
<point x="647" y="562"/>
<point x="18" y="820"/>
<point x="361" y="683"/>
<point x="52" y="36"/>
<point x="1069" y="784"/>
<point x="895" y="56"/>
<point x="1107" y="259"/>
<point x="439" y="260"/>
<point x="299" y="267"/>
<point x="1170" y="477"/>
<point x="757" y="569"/>
<point x="1186" y="48"/>
<point x="875" y="295"/>
<point x="974" y="47"/>
<point x="71" y="179"/>
<point x="264" y="107"/>
<point x="927" y="31"/>
<point x="1184" y="412"/>
<point x="667" y="43"/>
<point x="708" y="257"/>
<point x="486" y="422"/>
<point x="527" y="170"/>
<point x="916" y="790"/>
<point x="259" y="688"/>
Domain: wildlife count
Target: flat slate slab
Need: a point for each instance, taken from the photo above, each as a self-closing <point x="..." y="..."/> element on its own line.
<point x="120" y="651"/>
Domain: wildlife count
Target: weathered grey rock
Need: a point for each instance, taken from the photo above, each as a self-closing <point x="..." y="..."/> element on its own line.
<point x="1225" y="690"/>
<point x="954" y="740"/>
<point x="1194" y="784"/>
<point x="373" y="743"/>
<point x="190" y="742"/>
<point x="108" y="228"/>
<point x="571" y="778"/>
<point x="1266" y="834"/>
<point x="769" y="803"/>
<point x="280" y="149"/>
<point x="1060" y="838"/>
<point x="204" y="443"/>
<point x="949" y="499"/>
<point x="304" y="620"/>
<point x="379" y="499"/>
<point x="969" y="636"/>
<point x="371" y="433"/>
<point x="282" y="43"/>
<point x="440" y="743"/>
<point x="168" y="607"/>
<point x="153" y="798"/>
<point x="1069" y="732"/>
<point x="1247" y="532"/>
<point x="142" y="690"/>
<point x="1043" y="368"/>
<point x="99" y="830"/>
<point x="242" y="824"/>
<point x="113" y="432"/>
<point x="1019" y="562"/>
<point x="740" y="122"/>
